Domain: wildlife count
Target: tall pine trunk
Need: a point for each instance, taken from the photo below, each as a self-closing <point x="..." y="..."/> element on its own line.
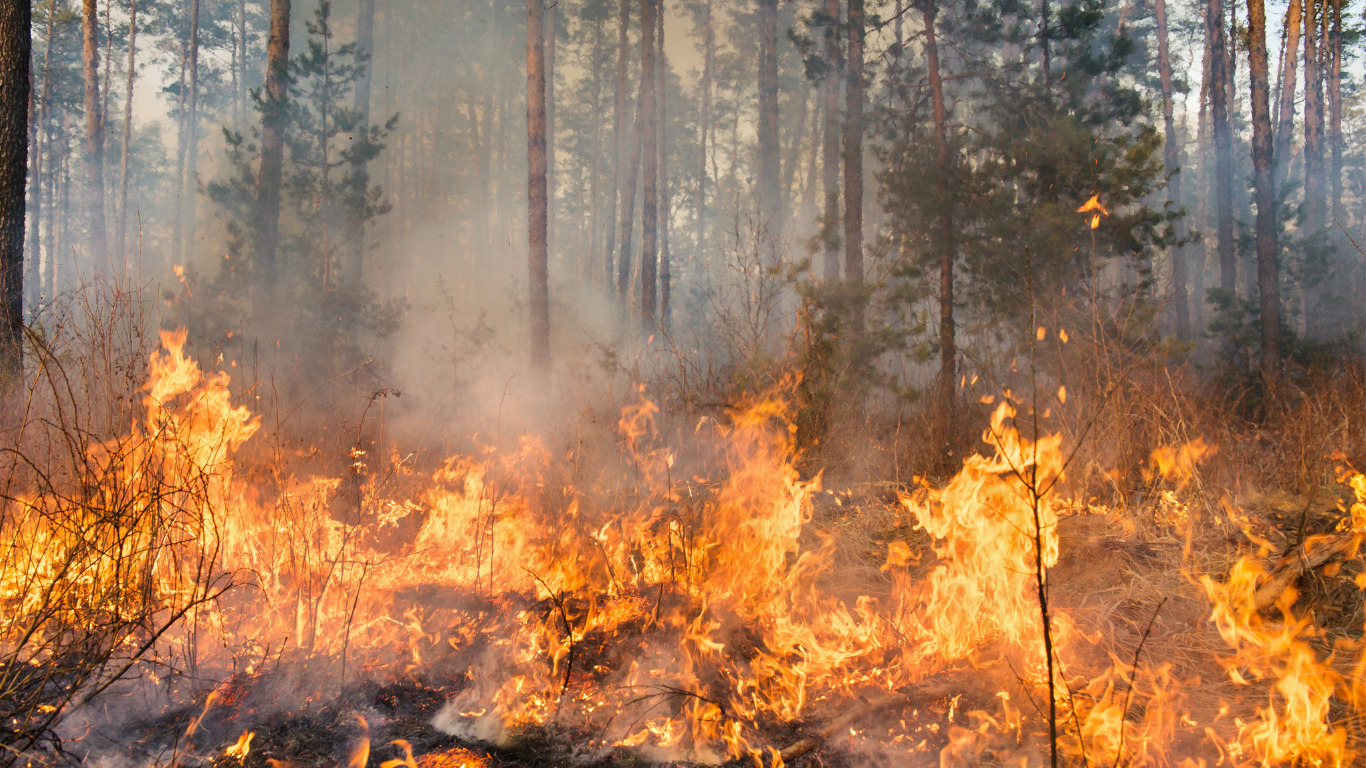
<point x="1285" y="103"/>
<point x="271" y="173"/>
<point x="15" y="50"/>
<point x="1172" y="159"/>
<point x="649" y="203"/>
<point x="705" y="129"/>
<point x="588" y="264"/>
<point x="770" y="205"/>
<point x="125" y="145"/>
<point x="1314" y="199"/>
<point x="1334" y="62"/>
<point x="1268" y="269"/>
<point x="551" y="21"/>
<point x="830" y="172"/>
<point x="94" y="135"/>
<point x="365" y="48"/>
<point x="853" y="153"/>
<point x="618" y="142"/>
<point x="538" y="261"/>
<point x="628" y="209"/>
<point x="1223" y="146"/>
<point x="944" y="233"/>
<point x="189" y="194"/>
<point x="665" y="206"/>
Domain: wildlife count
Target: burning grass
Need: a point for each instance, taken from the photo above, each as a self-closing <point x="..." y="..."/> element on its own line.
<point x="663" y="595"/>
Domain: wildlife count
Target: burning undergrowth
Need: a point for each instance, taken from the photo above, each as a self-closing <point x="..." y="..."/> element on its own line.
<point x="681" y="595"/>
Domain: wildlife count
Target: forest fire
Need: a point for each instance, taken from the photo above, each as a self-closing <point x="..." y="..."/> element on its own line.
<point x="696" y="619"/>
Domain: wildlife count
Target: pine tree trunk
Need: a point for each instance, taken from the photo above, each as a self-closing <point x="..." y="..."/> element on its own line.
<point x="665" y="199"/>
<point x="618" y="142"/>
<point x="1314" y="200"/>
<point x="793" y="157"/>
<point x="649" y="204"/>
<point x="1171" y="158"/>
<point x="628" y="210"/>
<point x="241" y="43"/>
<point x="189" y="196"/>
<point x="1285" y="104"/>
<point x="944" y="234"/>
<point x="125" y="145"/>
<point x="768" y="182"/>
<point x="550" y="33"/>
<point x="708" y="59"/>
<point x="271" y="173"/>
<point x="1268" y="269"/>
<point x="1223" y="147"/>
<point x="853" y="154"/>
<point x="94" y="135"/>
<point x="588" y="269"/>
<point x="34" y="186"/>
<point x="15" y="47"/>
<point x="830" y="141"/>
<point x="1335" y="113"/>
<point x="538" y="261"/>
<point x="365" y="46"/>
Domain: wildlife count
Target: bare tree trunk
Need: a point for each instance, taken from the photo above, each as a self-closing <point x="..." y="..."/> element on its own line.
<point x="830" y="141"/>
<point x="649" y="204"/>
<point x="191" y="162"/>
<point x="944" y="236"/>
<point x="619" y="179"/>
<point x="628" y="210"/>
<point x="550" y="34"/>
<point x="853" y="154"/>
<point x="125" y="146"/>
<point x="271" y="172"/>
<point x="1268" y="268"/>
<point x="538" y="261"/>
<point x="588" y="265"/>
<point x="1335" y="112"/>
<point x="794" y="147"/>
<point x="365" y="45"/>
<point x="1314" y="202"/>
<point x="94" y="135"/>
<point x="15" y="52"/>
<point x="767" y="183"/>
<point x="34" y="238"/>
<point x="665" y="199"/>
<point x="1171" y="157"/>
<point x="241" y="43"/>
<point x="1223" y="147"/>
<point x="708" y="59"/>
<point x="1285" y="104"/>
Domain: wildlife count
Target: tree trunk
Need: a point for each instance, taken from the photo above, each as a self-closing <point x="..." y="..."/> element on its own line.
<point x="550" y="34"/>
<point x="241" y="43"/>
<point x="649" y="204"/>
<point x="1314" y="200"/>
<point x="853" y="154"/>
<point x="794" y="148"/>
<point x="271" y="173"/>
<point x="588" y="265"/>
<point x="1223" y="147"/>
<point x="708" y="59"/>
<point x="1285" y="104"/>
<point x="365" y="47"/>
<point x="618" y="142"/>
<point x="944" y="234"/>
<point x="665" y="207"/>
<point x="770" y="216"/>
<point x="628" y="210"/>
<point x="538" y="261"/>
<point x="190" y="194"/>
<point x="1171" y="158"/>
<point x="1268" y="269"/>
<point x="1335" y="113"/>
<point x="830" y="142"/>
<point x="94" y="135"/>
<point x="15" y="46"/>
<point x="125" y="146"/>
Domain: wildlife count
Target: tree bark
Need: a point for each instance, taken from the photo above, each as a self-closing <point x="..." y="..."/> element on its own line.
<point x="15" y="51"/>
<point x="830" y="142"/>
<point x="588" y="265"/>
<point x="628" y="209"/>
<point x="365" y="46"/>
<point x="551" y="21"/>
<point x="191" y="164"/>
<point x="1285" y="103"/>
<point x="853" y="154"/>
<point x="1335" y="112"/>
<point x="708" y="59"/>
<point x="649" y="204"/>
<point x="770" y="216"/>
<point x="944" y="234"/>
<point x="1223" y="147"/>
<point x="618" y="141"/>
<point x="1314" y="200"/>
<point x="125" y="145"/>
<point x="1268" y="268"/>
<point x="271" y="173"/>
<point x="1172" y="159"/>
<point x="94" y="135"/>
<point x="665" y="199"/>
<point x="538" y="261"/>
